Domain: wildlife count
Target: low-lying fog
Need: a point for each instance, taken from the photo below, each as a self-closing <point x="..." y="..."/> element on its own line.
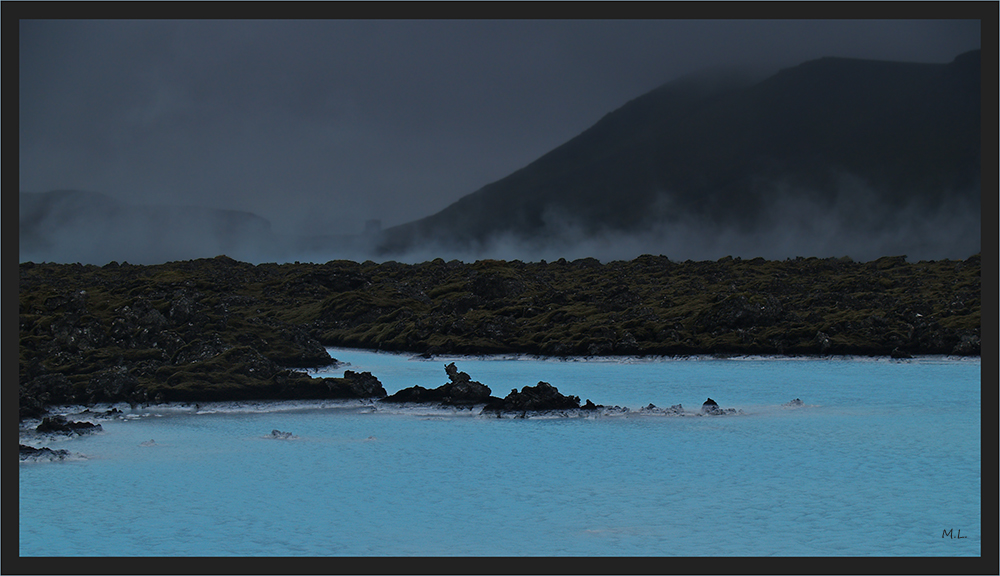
<point x="93" y="232"/>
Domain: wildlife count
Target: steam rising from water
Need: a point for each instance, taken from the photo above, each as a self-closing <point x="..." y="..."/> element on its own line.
<point x="854" y="221"/>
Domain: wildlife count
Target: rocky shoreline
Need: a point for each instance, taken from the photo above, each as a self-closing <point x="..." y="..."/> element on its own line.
<point x="461" y="392"/>
<point x="218" y="329"/>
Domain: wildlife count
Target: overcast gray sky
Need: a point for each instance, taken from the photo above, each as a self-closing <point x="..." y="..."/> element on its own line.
<point x="320" y="125"/>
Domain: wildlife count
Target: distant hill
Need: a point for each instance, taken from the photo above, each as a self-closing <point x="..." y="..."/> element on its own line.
<point x="832" y="157"/>
<point x="93" y="228"/>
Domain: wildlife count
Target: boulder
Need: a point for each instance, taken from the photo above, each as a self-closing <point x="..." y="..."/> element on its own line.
<point x="711" y="408"/>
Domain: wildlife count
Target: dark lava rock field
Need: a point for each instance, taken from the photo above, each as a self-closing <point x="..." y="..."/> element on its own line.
<point x="219" y="329"/>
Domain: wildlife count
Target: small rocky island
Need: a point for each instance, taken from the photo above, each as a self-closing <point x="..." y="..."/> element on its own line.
<point x="218" y="329"/>
<point x="460" y="391"/>
<point x="463" y="391"/>
<point x="541" y="398"/>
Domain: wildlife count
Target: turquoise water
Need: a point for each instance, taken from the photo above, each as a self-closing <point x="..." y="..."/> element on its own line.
<point x="882" y="459"/>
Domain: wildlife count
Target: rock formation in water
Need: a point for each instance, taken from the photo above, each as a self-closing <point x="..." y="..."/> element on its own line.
<point x="32" y="453"/>
<point x="675" y="410"/>
<point x="355" y="385"/>
<point x="711" y="408"/>
<point x="462" y="390"/>
<point x="59" y="424"/>
<point x="542" y="396"/>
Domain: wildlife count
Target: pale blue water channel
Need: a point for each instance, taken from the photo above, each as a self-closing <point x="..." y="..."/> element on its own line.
<point x="883" y="458"/>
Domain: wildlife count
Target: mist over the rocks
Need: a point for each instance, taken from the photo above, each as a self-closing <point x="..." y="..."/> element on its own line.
<point x="795" y="226"/>
<point x="852" y="224"/>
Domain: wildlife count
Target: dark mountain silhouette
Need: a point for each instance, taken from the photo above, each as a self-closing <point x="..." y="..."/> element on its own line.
<point x="93" y="228"/>
<point x="834" y="155"/>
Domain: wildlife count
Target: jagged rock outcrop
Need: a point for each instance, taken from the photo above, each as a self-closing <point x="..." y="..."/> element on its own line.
<point x="59" y="424"/>
<point x="542" y="396"/>
<point x="45" y="453"/>
<point x="414" y="394"/>
<point x="462" y="390"/>
<point x="355" y="385"/>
